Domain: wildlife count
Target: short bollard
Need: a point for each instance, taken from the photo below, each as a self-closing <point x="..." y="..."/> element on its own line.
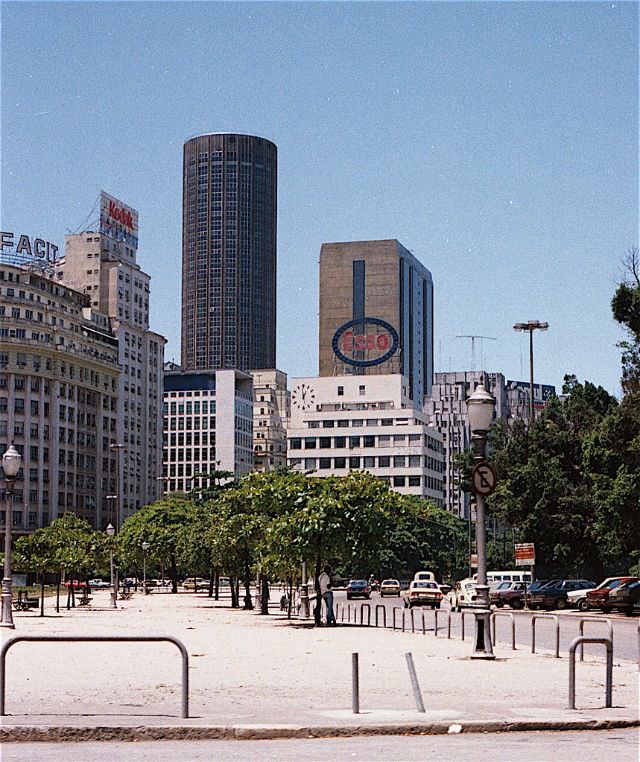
<point x="424" y="627"/>
<point x="368" y="605"/>
<point x="355" y="684"/>
<point x="599" y="621"/>
<point x="413" y="624"/>
<point x="414" y="682"/>
<point x="534" y="619"/>
<point x="393" y="616"/>
<point x="384" y="614"/>
<point x="608" y="691"/>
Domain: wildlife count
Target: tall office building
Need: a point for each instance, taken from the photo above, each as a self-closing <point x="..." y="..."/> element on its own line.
<point x="229" y="252"/>
<point x="376" y="313"/>
<point x="102" y="265"/>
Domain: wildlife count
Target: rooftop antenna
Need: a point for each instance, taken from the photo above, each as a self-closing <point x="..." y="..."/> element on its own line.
<point x="473" y="337"/>
<point x="90" y="221"/>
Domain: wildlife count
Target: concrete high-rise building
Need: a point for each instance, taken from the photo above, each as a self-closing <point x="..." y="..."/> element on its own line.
<point x="229" y="252"/>
<point x="271" y="411"/>
<point x="376" y="313"/>
<point x="103" y="266"/>
<point x="59" y="376"/>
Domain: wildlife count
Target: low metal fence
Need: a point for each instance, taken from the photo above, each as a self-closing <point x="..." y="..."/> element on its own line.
<point x="368" y="607"/>
<point x="393" y="616"/>
<point x="97" y="639"/>
<point x="513" y="626"/>
<point x="608" y="691"/>
<point x="464" y="613"/>
<point x="600" y="621"/>
<point x="534" y="619"/>
<point x="384" y="614"/>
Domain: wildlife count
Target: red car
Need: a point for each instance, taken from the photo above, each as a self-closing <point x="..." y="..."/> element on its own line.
<point x="599" y="596"/>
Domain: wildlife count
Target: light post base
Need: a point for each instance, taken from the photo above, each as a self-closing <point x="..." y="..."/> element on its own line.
<point x="482" y="648"/>
<point x="114" y="599"/>
<point x="7" y="601"/>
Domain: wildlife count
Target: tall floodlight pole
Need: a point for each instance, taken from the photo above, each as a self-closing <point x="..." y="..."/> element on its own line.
<point x="111" y="531"/>
<point x="11" y="463"/>
<point x="480" y="406"/>
<point x="145" y="548"/>
<point x="117" y="448"/>
<point x="531" y="326"/>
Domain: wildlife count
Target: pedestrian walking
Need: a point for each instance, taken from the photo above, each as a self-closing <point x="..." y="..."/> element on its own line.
<point x="327" y="593"/>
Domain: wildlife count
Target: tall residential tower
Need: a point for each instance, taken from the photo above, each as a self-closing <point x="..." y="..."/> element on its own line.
<point x="229" y="252"/>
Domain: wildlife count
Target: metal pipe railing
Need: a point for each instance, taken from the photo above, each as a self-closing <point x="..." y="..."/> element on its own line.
<point x="593" y="619"/>
<point x="97" y="639"/>
<point x="513" y="626"/>
<point x="384" y="614"/>
<point x="368" y="605"/>
<point x="534" y="618"/>
<point x="608" y="691"/>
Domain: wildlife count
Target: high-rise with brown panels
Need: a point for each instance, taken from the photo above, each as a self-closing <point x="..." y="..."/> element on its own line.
<point x="229" y="214"/>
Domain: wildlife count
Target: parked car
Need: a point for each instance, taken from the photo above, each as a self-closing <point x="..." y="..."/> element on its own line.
<point x="599" y="597"/>
<point x="508" y="594"/>
<point x="553" y="595"/>
<point x="98" y="584"/>
<point x="625" y="597"/>
<point x="76" y="583"/>
<point x="389" y="587"/>
<point x="423" y="594"/>
<point x="358" y="588"/>
<point x="463" y="594"/>
<point x="196" y="583"/>
<point x="578" y="599"/>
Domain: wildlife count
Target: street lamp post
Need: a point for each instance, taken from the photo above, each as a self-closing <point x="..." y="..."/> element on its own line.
<point x="114" y="593"/>
<point x="480" y="407"/>
<point x="531" y="326"/>
<point x="11" y="462"/>
<point x="145" y="548"/>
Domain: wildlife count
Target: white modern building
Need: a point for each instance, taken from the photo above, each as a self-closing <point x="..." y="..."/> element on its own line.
<point x="103" y="266"/>
<point x="208" y="425"/>
<point x="345" y="423"/>
<point x="271" y="411"/>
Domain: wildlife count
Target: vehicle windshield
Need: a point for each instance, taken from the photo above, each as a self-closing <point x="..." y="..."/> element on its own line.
<point x="358" y="582"/>
<point x="504" y="586"/>
<point x="424" y="584"/>
<point x="390" y="582"/>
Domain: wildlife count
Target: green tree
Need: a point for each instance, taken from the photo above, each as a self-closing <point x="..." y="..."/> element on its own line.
<point x="37" y="553"/>
<point x="625" y="306"/>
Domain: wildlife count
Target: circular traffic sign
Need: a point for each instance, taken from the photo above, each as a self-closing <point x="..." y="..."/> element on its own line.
<point x="485" y="479"/>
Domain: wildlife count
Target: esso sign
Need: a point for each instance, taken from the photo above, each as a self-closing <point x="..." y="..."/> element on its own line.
<point x="365" y="342"/>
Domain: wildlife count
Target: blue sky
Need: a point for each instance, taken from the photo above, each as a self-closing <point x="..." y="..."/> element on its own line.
<point x="497" y="141"/>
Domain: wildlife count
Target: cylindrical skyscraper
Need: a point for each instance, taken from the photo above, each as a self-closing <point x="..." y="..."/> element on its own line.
<point x="229" y="209"/>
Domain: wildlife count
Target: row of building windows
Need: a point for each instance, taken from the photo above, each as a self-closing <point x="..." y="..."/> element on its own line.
<point x="368" y="440"/>
<point x="370" y="461"/>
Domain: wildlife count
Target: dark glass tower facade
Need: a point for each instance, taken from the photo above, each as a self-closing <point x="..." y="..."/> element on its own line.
<point x="229" y="211"/>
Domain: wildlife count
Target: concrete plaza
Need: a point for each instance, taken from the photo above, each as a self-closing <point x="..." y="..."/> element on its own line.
<point x="249" y="671"/>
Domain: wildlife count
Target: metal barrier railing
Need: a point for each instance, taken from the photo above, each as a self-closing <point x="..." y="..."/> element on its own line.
<point x="534" y="618"/>
<point x="368" y="605"/>
<point x="438" y="612"/>
<point x="384" y="614"/>
<point x="393" y="615"/>
<point x="97" y="639"/>
<point x="464" y="613"/>
<point x="513" y="626"/>
<point x="608" y="691"/>
<point x="593" y="619"/>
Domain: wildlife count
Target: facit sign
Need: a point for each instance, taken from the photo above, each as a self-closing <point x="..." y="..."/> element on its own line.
<point x="365" y="342"/>
<point x="118" y="221"/>
<point x="23" y="247"/>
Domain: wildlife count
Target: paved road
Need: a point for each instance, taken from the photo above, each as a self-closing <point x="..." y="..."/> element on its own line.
<point x="592" y="746"/>
<point x="625" y="629"/>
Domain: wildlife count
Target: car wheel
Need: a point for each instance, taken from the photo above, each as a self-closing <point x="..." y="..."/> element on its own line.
<point x="561" y="604"/>
<point x="583" y="605"/>
<point x="499" y="604"/>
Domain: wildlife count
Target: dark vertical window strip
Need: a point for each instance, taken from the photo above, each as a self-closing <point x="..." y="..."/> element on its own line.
<point x="426" y="381"/>
<point x="358" y="289"/>
<point x="401" y="300"/>
<point x="411" y="352"/>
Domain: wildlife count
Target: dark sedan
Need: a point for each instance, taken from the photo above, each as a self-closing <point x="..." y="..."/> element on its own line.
<point x="553" y="595"/>
<point x="358" y="588"/>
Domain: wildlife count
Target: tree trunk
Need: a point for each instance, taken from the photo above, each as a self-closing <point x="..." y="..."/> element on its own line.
<point x="217" y="588"/>
<point x="264" y="594"/>
<point x="234" y="593"/>
<point x="58" y="592"/>
<point x="174" y="576"/>
<point x="42" y="595"/>
<point x="317" y="609"/>
<point x="211" y="581"/>
<point x="248" y="603"/>
<point x="73" y="594"/>
<point x="290" y="603"/>
<point x="69" y="597"/>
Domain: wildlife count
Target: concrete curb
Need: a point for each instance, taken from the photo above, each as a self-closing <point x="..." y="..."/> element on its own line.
<point x="68" y="733"/>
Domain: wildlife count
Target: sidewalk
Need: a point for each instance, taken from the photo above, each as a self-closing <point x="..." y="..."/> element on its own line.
<point x="253" y="675"/>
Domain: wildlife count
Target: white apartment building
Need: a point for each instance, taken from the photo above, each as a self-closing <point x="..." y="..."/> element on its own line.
<point x="344" y="423"/>
<point x="271" y="411"/>
<point x="208" y="425"/>
<point x="104" y="267"/>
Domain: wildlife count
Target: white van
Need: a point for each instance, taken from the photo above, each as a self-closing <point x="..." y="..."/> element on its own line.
<point x="494" y="578"/>
<point x="424" y="576"/>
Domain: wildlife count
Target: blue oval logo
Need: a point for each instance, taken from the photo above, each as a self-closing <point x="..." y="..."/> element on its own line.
<point x="355" y="345"/>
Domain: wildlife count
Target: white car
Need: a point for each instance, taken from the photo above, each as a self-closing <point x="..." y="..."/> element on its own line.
<point x="463" y="595"/>
<point x="578" y="599"/>
<point x="97" y="584"/>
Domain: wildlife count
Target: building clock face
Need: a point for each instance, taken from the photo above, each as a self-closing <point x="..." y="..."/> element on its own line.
<point x="303" y="397"/>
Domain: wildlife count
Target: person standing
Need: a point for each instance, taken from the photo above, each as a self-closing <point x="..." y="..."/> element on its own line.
<point x="327" y="593"/>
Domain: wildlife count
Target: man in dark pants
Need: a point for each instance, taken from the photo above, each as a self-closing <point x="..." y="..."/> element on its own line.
<point x="327" y="594"/>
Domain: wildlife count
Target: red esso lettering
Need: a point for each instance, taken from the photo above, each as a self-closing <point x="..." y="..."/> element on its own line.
<point x="371" y="342"/>
<point x="347" y="342"/>
<point x="383" y="342"/>
<point x="359" y="342"/>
